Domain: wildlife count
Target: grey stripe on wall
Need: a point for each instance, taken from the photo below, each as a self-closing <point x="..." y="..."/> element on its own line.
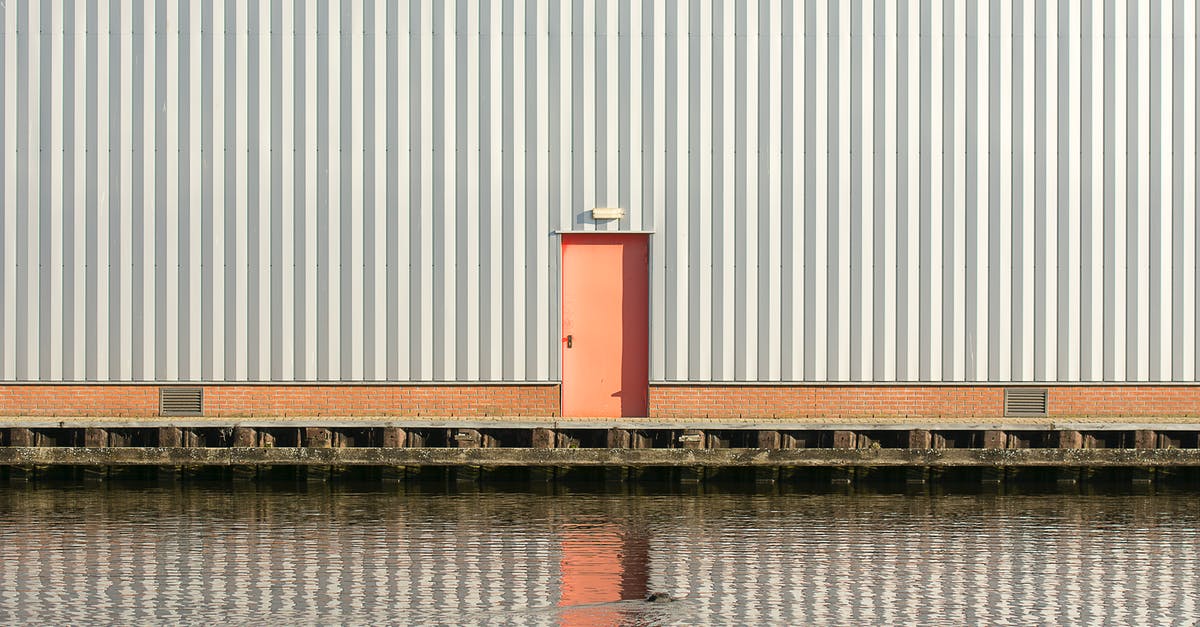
<point x="923" y="190"/>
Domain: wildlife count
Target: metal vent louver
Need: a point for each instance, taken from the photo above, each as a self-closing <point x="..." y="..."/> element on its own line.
<point x="180" y="401"/>
<point x="1025" y="402"/>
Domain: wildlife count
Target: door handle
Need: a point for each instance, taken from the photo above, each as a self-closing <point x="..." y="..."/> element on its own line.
<point x="569" y="340"/>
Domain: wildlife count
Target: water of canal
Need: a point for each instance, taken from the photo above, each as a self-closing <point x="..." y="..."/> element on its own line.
<point x="190" y="553"/>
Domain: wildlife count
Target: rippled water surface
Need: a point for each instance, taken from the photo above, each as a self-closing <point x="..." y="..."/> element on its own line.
<point x="122" y="554"/>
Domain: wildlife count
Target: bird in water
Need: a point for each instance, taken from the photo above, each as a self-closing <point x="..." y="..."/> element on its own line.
<point x="659" y="597"/>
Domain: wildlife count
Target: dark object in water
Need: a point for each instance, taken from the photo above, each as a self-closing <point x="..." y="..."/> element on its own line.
<point x="659" y="597"/>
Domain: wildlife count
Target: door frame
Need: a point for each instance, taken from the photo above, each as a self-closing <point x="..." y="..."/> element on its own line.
<point x="558" y="338"/>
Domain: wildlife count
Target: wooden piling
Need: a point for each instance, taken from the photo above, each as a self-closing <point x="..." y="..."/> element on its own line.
<point x="845" y="439"/>
<point x="1145" y="439"/>
<point x="394" y="437"/>
<point x="245" y="437"/>
<point x="543" y="438"/>
<point x="170" y="437"/>
<point x="920" y="439"/>
<point x="627" y="438"/>
<point x="995" y="439"/>
<point x="692" y="438"/>
<point x="1069" y="438"/>
<point x="318" y="437"/>
<point x="95" y="438"/>
<point x="21" y="437"/>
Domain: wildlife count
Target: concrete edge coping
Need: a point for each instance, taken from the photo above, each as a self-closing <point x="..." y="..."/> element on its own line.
<point x="526" y="422"/>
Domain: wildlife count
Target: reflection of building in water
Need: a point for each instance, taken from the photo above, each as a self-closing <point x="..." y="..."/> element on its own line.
<point x="126" y="557"/>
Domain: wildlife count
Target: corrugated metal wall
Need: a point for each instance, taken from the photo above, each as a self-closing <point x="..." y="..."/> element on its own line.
<point x="914" y="190"/>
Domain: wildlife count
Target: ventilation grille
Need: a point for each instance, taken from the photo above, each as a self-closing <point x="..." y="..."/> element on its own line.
<point x="180" y="401"/>
<point x="1025" y="402"/>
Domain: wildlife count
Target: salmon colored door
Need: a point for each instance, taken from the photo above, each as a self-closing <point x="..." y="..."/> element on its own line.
<point x="605" y="322"/>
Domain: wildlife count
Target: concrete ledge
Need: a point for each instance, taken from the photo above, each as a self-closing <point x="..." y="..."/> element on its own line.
<point x="835" y="423"/>
<point x="151" y="456"/>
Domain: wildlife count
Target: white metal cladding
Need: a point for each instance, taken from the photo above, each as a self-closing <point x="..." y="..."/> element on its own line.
<point x="876" y="191"/>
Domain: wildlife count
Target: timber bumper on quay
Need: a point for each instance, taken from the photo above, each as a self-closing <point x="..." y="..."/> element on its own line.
<point x="496" y="442"/>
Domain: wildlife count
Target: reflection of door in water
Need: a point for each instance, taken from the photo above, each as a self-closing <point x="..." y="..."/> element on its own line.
<point x="605" y="325"/>
<point x="601" y="564"/>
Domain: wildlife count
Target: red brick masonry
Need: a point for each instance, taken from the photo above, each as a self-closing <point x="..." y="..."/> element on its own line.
<point x="666" y="401"/>
<point x="768" y="401"/>
<point x="287" y="400"/>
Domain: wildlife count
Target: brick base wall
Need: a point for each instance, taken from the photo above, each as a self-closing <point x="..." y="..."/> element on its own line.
<point x="666" y="401"/>
<point x="964" y="401"/>
<point x="287" y="400"/>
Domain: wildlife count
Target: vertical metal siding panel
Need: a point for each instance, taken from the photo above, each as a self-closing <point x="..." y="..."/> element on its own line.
<point x="308" y="298"/>
<point x="889" y="197"/>
<point x="1115" y="199"/>
<point x="931" y="192"/>
<point x="264" y="276"/>
<point x="1138" y="355"/>
<point x="72" y="229"/>
<point x="976" y="199"/>
<point x="863" y="235"/>
<point x="468" y="296"/>
<point x="1184" y="129"/>
<point x="352" y="183"/>
<point x="678" y="266"/>
<point x="99" y="68"/>
<point x="910" y="150"/>
<point x="1160" y="208"/>
<point x="1048" y="237"/>
<point x="167" y="197"/>
<point x="558" y="62"/>
<point x="283" y="45"/>
<point x="120" y="355"/>
<point x="52" y="306"/>
<point x="1025" y="176"/>
<point x="635" y="39"/>
<point x="1001" y="186"/>
<point x="611" y="94"/>
<point x="373" y="22"/>
<point x="423" y="229"/>
<point x="1070" y="233"/>
<point x="446" y="153"/>
<point x="770" y="130"/>
<point x="399" y="202"/>
<point x="585" y="21"/>
<point x="238" y="357"/>
<point x="148" y="162"/>
<point x="441" y="325"/>
<point x="191" y="243"/>
<point x="214" y="296"/>
<point x="793" y="220"/>
<point x="700" y="364"/>
<point x="666" y="185"/>
<point x="658" y="286"/>
<point x="881" y="200"/>
<point x="1091" y="200"/>
<point x="726" y="369"/>
<point x="751" y="193"/>
<point x="8" y="200"/>
<point x="329" y="293"/>
<point x="540" y="331"/>
<point x="816" y="180"/>
<point x="955" y="364"/>
<point x="515" y="259"/>
<point x="28" y="193"/>
<point x="206" y="96"/>
<point x="839" y="184"/>
<point x="494" y="366"/>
